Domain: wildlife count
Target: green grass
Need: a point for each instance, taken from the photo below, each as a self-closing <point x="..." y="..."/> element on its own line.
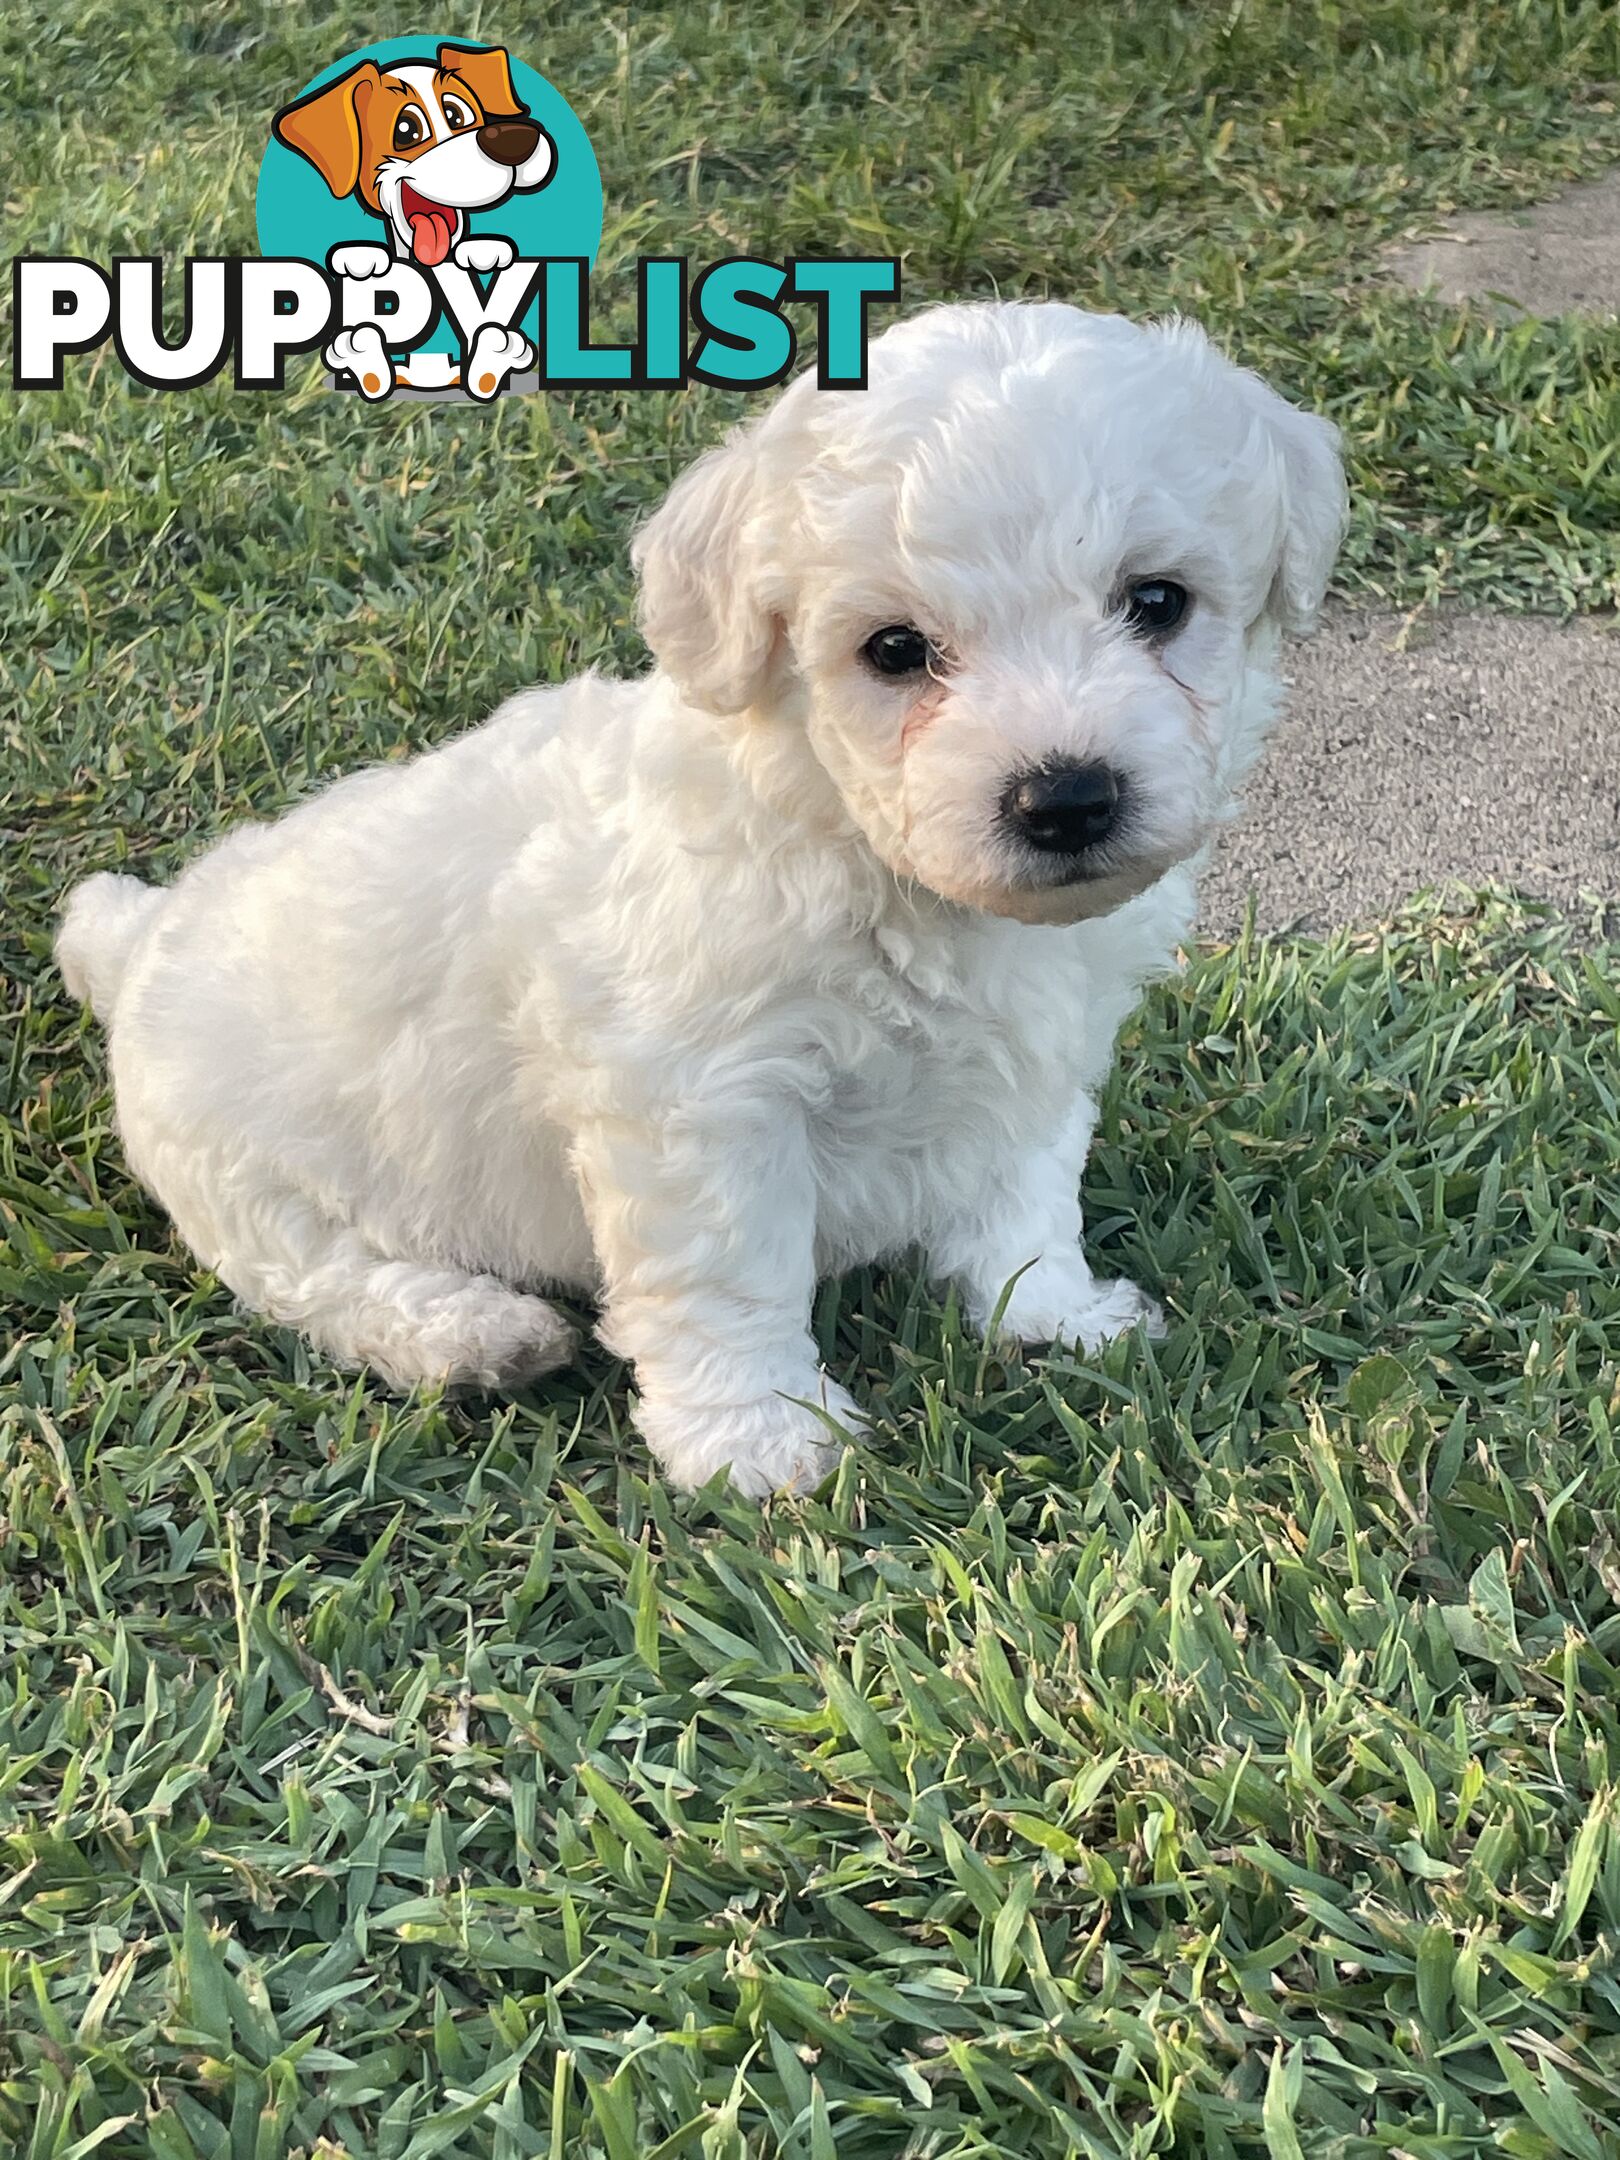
<point x="1211" y="1750"/>
<point x="1243" y="162"/>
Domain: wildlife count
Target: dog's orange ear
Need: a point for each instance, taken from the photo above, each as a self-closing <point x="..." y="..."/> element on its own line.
<point x="488" y="75"/>
<point x="325" y="126"/>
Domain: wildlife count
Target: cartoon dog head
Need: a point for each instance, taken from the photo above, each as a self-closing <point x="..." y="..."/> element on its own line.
<point x="422" y="142"/>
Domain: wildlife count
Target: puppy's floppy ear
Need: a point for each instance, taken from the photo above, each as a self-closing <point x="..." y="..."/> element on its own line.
<point x="704" y="559"/>
<point x="488" y="75"/>
<point x="1314" y="510"/>
<point x="325" y="126"/>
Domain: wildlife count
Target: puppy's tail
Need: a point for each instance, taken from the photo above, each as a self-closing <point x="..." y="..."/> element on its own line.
<point x="102" y="924"/>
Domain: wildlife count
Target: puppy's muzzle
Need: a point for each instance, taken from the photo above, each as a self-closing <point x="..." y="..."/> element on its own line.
<point x="508" y="142"/>
<point x="1063" y="808"/>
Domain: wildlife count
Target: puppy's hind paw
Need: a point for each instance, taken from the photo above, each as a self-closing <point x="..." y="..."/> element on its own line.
<point x="485" y="1336"/>
<point x="362" y="355"/>
<point x="495" y="354"/>
<point x="769" y="1446"/>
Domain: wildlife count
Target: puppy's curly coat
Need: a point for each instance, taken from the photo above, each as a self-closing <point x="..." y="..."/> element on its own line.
<point x="807" y="948"/>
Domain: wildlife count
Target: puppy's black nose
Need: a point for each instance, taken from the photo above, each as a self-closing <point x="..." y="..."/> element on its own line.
<point x="1062" y="808"/>
<point x="508" y="142"/>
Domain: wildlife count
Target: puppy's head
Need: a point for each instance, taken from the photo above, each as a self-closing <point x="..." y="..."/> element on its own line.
<point x="421" y="143"/>
<point x="1018" y="592"/>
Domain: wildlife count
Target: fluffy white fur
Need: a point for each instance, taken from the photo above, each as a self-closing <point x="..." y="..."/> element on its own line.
<point x="687" y="990"/>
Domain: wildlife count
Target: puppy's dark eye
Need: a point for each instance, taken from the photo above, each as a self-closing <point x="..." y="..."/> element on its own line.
<point x="457" y="114"/>
<point x="1154" y="605"/>
<point x="409" y="129"/>
<point x="899" y="649"/>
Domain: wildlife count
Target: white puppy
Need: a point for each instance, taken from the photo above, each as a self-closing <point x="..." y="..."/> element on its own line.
<point x="807" y="948"/>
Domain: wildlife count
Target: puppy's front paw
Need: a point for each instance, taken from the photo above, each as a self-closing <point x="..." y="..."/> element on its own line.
<point x="359" y="259"/>
<point x="770" y="1445"/>
<point x="1087" y="1314"/>
<point x="483" y="252"/>
<point x="1117" y="1306"/>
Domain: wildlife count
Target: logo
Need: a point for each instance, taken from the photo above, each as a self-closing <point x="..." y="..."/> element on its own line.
<point x="418" y="156"/>
<point x="429" y="212"/>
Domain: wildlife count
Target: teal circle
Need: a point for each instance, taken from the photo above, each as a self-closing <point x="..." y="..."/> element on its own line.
<point x="298" y="215"/>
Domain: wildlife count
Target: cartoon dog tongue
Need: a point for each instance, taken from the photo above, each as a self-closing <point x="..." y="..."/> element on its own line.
<point x="432" y="227"/>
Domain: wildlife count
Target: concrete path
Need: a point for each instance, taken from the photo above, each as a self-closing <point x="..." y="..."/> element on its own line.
<point x="1559" y="258"/>
<point x="1488" y="751"/>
